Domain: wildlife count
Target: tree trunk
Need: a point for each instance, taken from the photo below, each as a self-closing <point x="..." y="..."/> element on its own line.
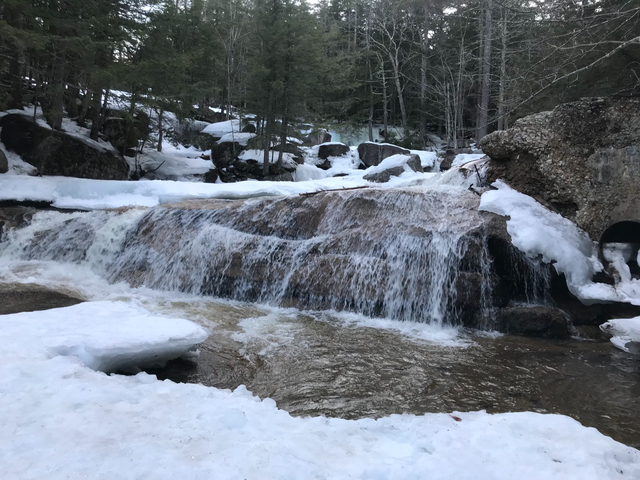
<point x="424" y="50"/>
<point x="503" y="71"/>
<point x="384" y="100"/>
<point x="160" y="115"/>
<point x="486" y="75"/>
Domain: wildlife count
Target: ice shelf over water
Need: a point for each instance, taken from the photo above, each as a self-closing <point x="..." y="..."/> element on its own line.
<point x="60" y="419"/>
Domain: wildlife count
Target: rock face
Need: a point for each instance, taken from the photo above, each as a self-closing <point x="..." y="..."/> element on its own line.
<point x="582" y="159"/>
<point x="412" y="161"/>
<point x="534" y="321"/>
<point x="4" y="163"/>
<point x="56" y="153"/>
<point x="371" y="153"/>
<point x="327" y="150"/>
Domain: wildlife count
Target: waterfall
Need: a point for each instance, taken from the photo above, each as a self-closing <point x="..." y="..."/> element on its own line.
<point x="408" y="254"/>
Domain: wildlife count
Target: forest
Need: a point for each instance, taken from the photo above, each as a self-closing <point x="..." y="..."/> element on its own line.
<point x="456" y="68"/>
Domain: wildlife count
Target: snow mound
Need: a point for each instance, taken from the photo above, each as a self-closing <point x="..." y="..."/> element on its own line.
<point x="624" y="331"/>
<point x="398" y="160"/>
<point x="220" y="129"/>
<point x="106" y="336"/>
<point x="537" y="231"/>
<point x="241" y="138"/>
<point x="427" y="159"/>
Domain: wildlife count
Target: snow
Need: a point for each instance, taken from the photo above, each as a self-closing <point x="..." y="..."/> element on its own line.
<point x="174" y="163"/>
<point x="84" y="194"/>
<point x="241" y="138"/>
<point x="106" y="336"/>
<point x="61" y="419"/>
<point x="623" y="331"/>
<point x="537" y="231"/>
<point x="398" y="160"/>
<point x="220" y="129"/>
<point x="427" y="159"/>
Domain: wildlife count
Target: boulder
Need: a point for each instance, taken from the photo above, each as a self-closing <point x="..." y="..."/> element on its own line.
<point x="4" y="163"/>
<point x="126" y="132"/>
<point x="211" y="176"/>
<point x="317" y="137"/>
<point x="16" y="298"/>
<point x="533" y="321"/>
<point x="371" y="153"/>
<point x="249" y="128"/>
<point x="581" y="159"/>
<point x="333" y="149"/>
<point x="410" y="161"/>
<point x="224" y="154"/>
<point x="57" y="153"/>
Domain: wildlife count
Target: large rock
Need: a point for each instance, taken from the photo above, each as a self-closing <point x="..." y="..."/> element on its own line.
<point x="4" y="163"/>
<point x="57" y="153"/>
<point x="533" y="321"/>
<point x="582" y="159"/>
<point x="317" y="138"/>
<point x="224" y="154"/>
<point x="371" y="153"/>
<point x="333" y="149"/>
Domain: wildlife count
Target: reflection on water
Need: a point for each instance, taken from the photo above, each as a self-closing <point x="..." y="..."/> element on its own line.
<point x="317" y="365"/>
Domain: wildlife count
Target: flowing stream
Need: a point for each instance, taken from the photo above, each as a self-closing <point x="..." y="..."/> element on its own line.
<point x="345" y="304"/>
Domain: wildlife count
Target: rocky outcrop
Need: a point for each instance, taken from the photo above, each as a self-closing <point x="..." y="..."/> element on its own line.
<point x="317" y="138"/>
<point x="581" y="159"/>
<point x="57" y="153"/>
<point x="412" y="162"/>
<point x="371" y="153"/>
<point x="4" y="163"/>
<point x="334" y="149"/>
<point x="533" y="321"/>
<point x="16" y="298"/>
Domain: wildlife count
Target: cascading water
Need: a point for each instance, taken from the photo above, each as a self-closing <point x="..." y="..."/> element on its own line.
<point x="403" y="254"/>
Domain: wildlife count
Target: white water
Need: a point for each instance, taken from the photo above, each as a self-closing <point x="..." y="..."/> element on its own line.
<point x="395" y="254"/>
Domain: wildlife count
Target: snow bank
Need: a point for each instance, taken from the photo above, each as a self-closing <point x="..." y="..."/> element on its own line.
<point x="84" y="194"/>
<point x="174" y="163"/>
<point x="241" y="138"/>
<point x="427" y="159"/>
<point x="220" y="129"/>
<point x="398" y="160"/>
<point x="539" y="232"/>
<point x="106" y="336"/>
<point x="258" y="156"/>
<point x="623" y="331"/>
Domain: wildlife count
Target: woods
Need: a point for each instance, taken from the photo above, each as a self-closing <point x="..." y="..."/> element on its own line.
<point x="458" y="69"/>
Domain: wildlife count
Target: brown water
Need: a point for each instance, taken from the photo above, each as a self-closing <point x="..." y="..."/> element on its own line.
<point x="317" y="365"/>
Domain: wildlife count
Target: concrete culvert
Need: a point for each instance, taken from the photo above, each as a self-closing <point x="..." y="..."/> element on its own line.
<point x="619" y="245"/>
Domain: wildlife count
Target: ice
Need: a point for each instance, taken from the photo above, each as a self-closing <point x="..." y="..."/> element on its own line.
<point x="463" y="158"/>
<point x="537" y="231"/>
<point x="106" y="336"/>
<point x="624" y="331"/>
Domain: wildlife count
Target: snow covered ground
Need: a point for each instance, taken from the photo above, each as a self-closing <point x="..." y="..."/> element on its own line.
<point x="61" y="419"/>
